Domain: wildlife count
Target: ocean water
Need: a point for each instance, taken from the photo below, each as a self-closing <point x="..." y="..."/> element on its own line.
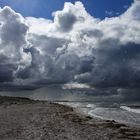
<point x="128" y="113"/>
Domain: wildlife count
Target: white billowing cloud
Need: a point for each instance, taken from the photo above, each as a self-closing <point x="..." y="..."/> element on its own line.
<point x="38" y="26"/>
<point x="13" y="30"/>
<point x="66" y="19"/>
<point x="133" y="11"/>
<point x="75" y="47"/>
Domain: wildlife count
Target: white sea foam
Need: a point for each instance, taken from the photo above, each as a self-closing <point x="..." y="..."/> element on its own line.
<point x="130" y="109"/>
<point x="90" y="105"/>
<point x="91" y="113"/>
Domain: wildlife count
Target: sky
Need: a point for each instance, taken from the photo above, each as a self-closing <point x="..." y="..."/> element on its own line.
<point x="44" y="8"/>
<point x="84" y="45"/>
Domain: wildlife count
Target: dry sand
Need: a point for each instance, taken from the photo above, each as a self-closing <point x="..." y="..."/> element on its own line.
<point x="36" y="120"/>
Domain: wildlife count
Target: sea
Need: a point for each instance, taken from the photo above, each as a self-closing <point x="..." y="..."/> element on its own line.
<point x="128" y="113"/>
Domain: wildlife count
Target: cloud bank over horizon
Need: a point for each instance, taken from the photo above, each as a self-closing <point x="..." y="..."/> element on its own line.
<point x="74" y="47"/>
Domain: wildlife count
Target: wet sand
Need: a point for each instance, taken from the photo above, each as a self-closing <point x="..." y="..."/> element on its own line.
<point x="24" y="119"/>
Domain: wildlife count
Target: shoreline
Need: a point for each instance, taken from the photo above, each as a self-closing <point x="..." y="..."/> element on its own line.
<point x="25" y="119"/>
<point x="98" y="118"/>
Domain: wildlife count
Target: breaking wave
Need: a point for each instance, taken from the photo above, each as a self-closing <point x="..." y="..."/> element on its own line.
<point x="130" y="109"/>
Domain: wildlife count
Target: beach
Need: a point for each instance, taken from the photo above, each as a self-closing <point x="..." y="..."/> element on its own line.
<point x="25" y="119"/>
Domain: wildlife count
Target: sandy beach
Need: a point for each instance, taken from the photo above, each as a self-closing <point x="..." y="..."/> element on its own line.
<point x="25" y="119"/>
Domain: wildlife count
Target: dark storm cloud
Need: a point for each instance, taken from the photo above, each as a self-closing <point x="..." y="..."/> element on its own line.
<point x="129" y="94"/>
<point x="6" y="73"/>
<point x="14" y="87"/>
<point x="117" y="66"/>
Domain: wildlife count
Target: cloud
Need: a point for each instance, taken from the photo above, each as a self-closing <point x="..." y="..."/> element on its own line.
<point x="75" y="85"/>
<point x="133" y="11"/>
<point x="74" y="47"/>
<point x="6" y="73"/>
<point x="13" y="31"/>
<point x="109" y="13"/>
<point x="65" y="19"/>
